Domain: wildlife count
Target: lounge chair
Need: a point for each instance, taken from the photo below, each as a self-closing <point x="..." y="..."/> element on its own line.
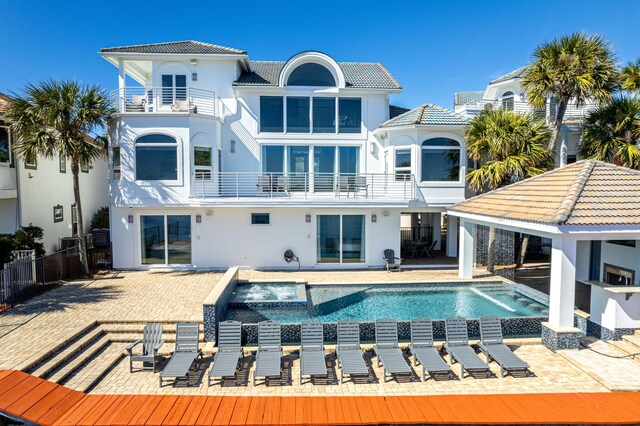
<point x="457" y="346"/>
<point x="387" y="350"/>
<point x="151" y="342"/>
<point x="312" y="352"/>
<point x="392" y="262"/>
<point x="350" y="357"/>
<point x="423" y="351"/>
<point x="491" y="345"/>
<point x="269" y="354"/>
<point x="186" y="353"/>
<point x="226" y="360"/>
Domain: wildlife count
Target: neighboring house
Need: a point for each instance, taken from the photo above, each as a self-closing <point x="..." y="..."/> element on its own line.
<point x="40" y="193"/>
<point x="506" y="92"/>
<point x="218" y="160"/>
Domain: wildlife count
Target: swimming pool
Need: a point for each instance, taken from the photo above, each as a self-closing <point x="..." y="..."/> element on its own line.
<point x="366" y="303"/>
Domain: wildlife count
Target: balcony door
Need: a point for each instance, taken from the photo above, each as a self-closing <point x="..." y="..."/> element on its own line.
<point x="341" y="239"/>
<point x="174" y="88"/>
<point x="165" y="239"/>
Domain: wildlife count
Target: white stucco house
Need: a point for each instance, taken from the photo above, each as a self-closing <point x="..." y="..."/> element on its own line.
<point x="220" y="160"/>
<point x="506" y="92"/>
<point x="41" y="193"/>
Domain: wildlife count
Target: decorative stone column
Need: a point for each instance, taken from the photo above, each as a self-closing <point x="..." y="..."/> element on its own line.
<point x="465" y="261"/>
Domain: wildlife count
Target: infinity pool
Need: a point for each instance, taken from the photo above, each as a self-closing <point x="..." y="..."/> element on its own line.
<point x="330" y="303"/>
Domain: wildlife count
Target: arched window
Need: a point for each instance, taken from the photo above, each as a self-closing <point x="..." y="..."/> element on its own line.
<point x="156" y="157"/>
<point x="311" y="74"/>
<point x="507" y="101"/>
<point x="440" y="160"/>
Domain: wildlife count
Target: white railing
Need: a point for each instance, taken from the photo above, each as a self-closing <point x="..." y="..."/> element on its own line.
<point x="165" y="99"/>
<point x="548" y="112"/>
<point x="368" y="186"/>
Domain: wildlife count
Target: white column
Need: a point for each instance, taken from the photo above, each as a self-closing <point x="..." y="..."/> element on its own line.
<point x="563" y="282"/>
<point x="452" y="236"/>
<point x="465" y="261"/>
<point x="437" y="230"/>
<point x="121" y="75"/>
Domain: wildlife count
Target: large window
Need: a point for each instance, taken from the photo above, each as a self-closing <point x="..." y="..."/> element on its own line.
<point x="341" y="239"/>
<point x="403" y="164"/>
<point x="297" y="114"/>
<point x="507" y="101"/>
<point x="311" y="74"/>
<point x="62" y="159"/>
<point x="174" y="88"/>
<point x="156" y="157"/>
<point x="116" y="162"/>
<point x="271" y="114"/>
<point x="202" y="162"/>
<point x="440" y="160"/>
<point x="350" y="115"/>
<point x="165" y="240"/>
<point x="324" y="115"/>
<point x="5" y="146"/>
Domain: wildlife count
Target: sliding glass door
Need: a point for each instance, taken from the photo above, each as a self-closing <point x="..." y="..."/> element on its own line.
<point x="324" y="166"/>
<point x="165" y="240"/>
<point x="341" y="239"/>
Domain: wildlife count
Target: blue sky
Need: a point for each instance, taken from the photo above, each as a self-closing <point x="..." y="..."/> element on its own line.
<point x="433" y="48"/>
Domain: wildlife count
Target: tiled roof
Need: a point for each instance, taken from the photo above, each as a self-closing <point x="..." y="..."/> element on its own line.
<point x="513" y="74"/>
<point x="177" y="47"/>
<point x="5" y="101"/>
<point x="462" y="98"/>
<point x="584" y="193"/>
<point x="395" y="111"/>
<point x="426" y="114"/>
<point x="364" y="75"/>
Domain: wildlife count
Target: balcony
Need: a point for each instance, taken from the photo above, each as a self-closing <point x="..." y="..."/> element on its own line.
<point x="573" y="114"/>
<point x="297" y="187"/>
<point x="165" y="100"/>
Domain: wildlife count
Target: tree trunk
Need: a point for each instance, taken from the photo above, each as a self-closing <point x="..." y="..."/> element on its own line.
<point x="491" y="249"/>
<point x="523" y="250"/>
<point x="555" y="132"/>
<point x="75" y="171"/>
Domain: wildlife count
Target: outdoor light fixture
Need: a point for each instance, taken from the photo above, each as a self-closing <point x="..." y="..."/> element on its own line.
<point x="194" y="76"/>
<point x="198" y="218"/>
<point x="194" y="62"/>
<point x="307" y="218"/>
<point x="372" y="147"/>
<point x="233" y="146"/>
<point x="374" y="218"/>
<point x="130" y="218"/>
<point x="209" y="212"/>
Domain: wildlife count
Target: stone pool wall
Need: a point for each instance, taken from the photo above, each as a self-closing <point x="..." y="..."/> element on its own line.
<point x="215" y="305"/>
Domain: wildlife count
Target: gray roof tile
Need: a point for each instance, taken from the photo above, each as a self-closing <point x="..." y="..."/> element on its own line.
<point x="463" y="98"/>
<point x="395" y="111"/>
<point x="427" y="114"/>
<point x="513" y="74"/>
<point x="188" y="47"/>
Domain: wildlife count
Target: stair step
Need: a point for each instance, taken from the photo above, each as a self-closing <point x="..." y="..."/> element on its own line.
<point x="130" y="338"/>
<point x="637" y="332"/>
<point x="626" y="347"/>
<point x="57" y="359"/>
<point x="79" y="360"/>
<point x="143" y="322"/>
<point x="29" y="367"/>
<point x="633" y="339"/>
<point x="87" y="376"/>
<point x="138" y="328"/>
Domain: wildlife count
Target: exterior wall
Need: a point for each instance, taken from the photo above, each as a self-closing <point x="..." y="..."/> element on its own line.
<point x="626" y="257"/>
<point x="614" y="310"/>
<point x="583" y="260"/>
<point x="226" y="238"/>
<point x="8" y="215"/>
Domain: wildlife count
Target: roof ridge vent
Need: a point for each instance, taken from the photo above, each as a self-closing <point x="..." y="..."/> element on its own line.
<point x="568" y="204"/>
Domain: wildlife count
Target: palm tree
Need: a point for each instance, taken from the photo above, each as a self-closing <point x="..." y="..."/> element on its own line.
<point x="630" y="77"/>
<point x="509" y="147"/>
<point x="55" y="118"/>
<point x="612" y="133"/>
<point x="574" y="67"/>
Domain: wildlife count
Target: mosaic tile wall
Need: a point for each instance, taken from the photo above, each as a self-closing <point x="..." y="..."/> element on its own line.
<point x="503" y="250"/>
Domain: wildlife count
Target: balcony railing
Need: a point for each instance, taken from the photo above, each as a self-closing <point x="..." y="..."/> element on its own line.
<point x="314" y="186"/>
<point x="165" y="99"/>
<point x="573" y="113"/>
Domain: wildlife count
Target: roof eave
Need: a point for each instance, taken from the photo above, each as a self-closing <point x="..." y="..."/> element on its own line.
<point x="143" y="56"/>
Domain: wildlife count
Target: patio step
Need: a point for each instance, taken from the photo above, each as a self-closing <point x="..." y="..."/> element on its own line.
<point x="137" y="328"/>
<point x="627" y="348"/>
<point x="85" y="377"/>
<point x="634" y="340"/>
<point x="80" y="359"/>
<point x="68" y="350"/>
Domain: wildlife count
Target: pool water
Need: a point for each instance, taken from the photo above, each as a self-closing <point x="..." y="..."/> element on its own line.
<point x="266" y="291"/>
<point x="330" y="303"/>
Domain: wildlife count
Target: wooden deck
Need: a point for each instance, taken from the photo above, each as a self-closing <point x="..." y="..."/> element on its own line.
<point x="39" y="401"/>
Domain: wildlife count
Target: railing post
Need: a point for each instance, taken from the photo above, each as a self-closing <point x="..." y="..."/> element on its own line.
<point x="237" y="185"/>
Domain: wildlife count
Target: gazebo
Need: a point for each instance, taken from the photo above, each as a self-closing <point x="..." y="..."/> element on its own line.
<point x="590" y="211"/>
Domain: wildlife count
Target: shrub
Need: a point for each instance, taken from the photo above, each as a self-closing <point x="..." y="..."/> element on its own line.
<point x="100" y="219"/>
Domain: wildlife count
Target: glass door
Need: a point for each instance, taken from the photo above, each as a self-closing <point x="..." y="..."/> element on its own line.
<point x="298" y="159"/>
<point x="352" y="238"/>
<point x="165" y="240"/>
<point x="341" y="239"/>
<point x="179" y="240"/>
<point x="329" y="239"/>
<point x="324" y="159"/>
<point x="153" y="240"/>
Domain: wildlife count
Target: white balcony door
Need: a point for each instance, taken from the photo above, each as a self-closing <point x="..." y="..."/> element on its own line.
<point x="174" y="88"/>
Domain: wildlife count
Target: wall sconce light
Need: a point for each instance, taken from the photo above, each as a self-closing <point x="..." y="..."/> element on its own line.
<point x="194" y="62"/>
<point x="385" y="213"/>
<point x="209" y="212"/>
<point x="233" y="146"/>
<point x="198" y="218"/>
<point x="194" y="76"/>
<point x="307" y="218"/>
<point x="374" y="218"/>
<point x="130" y="218"/>
<point x="372" y="148"/>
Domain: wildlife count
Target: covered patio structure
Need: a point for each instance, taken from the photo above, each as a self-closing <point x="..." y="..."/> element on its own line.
<point x="591" y="212"/>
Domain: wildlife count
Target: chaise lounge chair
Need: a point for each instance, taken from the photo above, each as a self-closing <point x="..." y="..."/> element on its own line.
<point x="151" y="342"/>
<point x="387" y="350"/>
<point x="350" y="357"/>
<point x="392" y="262"/>
<point x="186" y="353"/>
<point x="491" y="345"/>
<point x="269" y="354"/>
<point x="423" y="351"/>
<point x="312" y="353"/>
<point x="226" y="360"/>
<point x="457" y="345"/>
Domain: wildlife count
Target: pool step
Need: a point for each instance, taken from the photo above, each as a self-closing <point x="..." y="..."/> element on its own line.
<point x="87" y="375"/>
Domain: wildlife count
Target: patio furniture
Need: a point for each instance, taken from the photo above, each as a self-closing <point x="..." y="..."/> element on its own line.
<point x="492" y="346"/>
<point x="283" y="184"/>
<point x="457" y="346"/>
<point x="423" y="351"/>
<point x="229" y="354"/>
<point x="409" y="249"/>
<point x="151" y="342"/>
<point x="387" y="350"/>
<point x="137" y="103"/>
<point x="428" y="250"/>
<point x="359" y="184"/>
<point x="348" y="351"/>
<point x="269" y="354"/>
<point x="182" y="106"/>
<point x="390" y="260"/>
<point x="186" y="353"/>
<point x="264" y="183"/>
<point x="312" y="352"/>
